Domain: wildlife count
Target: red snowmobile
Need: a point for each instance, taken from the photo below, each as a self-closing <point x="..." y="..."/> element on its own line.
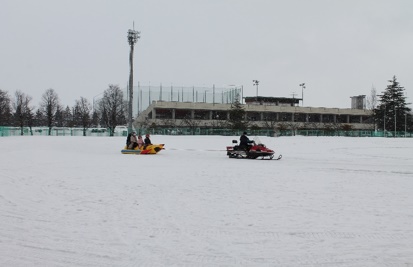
<point x="252" y="151"/>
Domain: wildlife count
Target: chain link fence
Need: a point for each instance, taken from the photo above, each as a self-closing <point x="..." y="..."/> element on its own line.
<point x="145" y="94"/>
<point x="61" y="131"/>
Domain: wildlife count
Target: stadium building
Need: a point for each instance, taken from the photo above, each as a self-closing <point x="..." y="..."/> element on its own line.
<point x="209" y="108"/>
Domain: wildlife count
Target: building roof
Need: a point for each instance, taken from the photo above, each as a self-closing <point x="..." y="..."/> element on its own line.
<point x="268" y="99"/>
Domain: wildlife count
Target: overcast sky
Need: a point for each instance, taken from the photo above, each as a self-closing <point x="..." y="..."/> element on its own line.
<point x="337" y="48"/>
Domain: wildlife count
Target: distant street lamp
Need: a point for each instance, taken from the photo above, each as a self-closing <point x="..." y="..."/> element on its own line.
<point x="255" y="82"/>
<point x="133" y="37"/>
<point x="302" y="93"/>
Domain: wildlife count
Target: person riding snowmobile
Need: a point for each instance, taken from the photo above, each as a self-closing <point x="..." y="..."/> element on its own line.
<point x="245" y="142"/>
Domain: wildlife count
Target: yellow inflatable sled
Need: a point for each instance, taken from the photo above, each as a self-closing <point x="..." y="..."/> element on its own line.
<point x="149" y="149"/>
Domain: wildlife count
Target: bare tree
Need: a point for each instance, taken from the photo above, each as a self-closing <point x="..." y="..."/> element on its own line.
<point x="5" y="108"/>
<point x="50" y="105"/>
<point x="112" y="108"/>
<point x="294" y="126"/>
<point x="191" y="123"/>
<point x="170" y="123"/>
<point x="282" y="128"/>
<point x="329" y="128"/>
<point x="270" y="121"/>
<point x="347" y="128"/>
<point x="218" y="124"/>
<point x="22" y="109"/>
<point x="83" y="114"/>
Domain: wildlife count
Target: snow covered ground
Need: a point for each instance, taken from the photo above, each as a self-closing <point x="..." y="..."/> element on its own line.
<point x="331" y="201"/>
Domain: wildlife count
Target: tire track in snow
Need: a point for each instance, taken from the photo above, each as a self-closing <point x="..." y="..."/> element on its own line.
<point x="207" y="254"/>
<point x="275" y="235"/>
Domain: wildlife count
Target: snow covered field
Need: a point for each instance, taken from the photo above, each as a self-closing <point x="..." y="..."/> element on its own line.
<point x="331" y="201"/>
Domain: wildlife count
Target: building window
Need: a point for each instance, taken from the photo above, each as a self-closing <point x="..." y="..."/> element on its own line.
<point x="328" y="118"/>
<point x="341" y="118"/>
<point x="253" y="116"/>
<point x="314" y="117"/>
<point x="181" y="114"/>
<point x="286" y="116"/>
<point x="270" y="116"/>
<point x="163" y="113"/>
<point x="367" y="119"/>
<point x="219" y="115"/>
<point x="355" y="119"/>
<point x="201" y="114"/>
<point x="300" y="117"/>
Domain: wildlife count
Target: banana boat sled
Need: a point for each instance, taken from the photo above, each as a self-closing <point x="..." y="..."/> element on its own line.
<point x="149" y="149"/>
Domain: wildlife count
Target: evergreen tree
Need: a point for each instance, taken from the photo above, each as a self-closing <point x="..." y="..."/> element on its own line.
<point x="390" y="112"/>
<point x="30" y="119"/>
<point x="237" y="115"/>
<point x="95" y="119"/>
<point x="39" y="119"/>
<point x="68" y="120"/>
<point x="60" y="116"/>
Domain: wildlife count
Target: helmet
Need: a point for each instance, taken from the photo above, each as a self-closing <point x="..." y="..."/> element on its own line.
<point x="244" y="133"/>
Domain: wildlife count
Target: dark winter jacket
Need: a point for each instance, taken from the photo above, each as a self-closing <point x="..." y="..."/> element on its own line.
<point x="244" y="140"/>
<point x="128" y="139"/>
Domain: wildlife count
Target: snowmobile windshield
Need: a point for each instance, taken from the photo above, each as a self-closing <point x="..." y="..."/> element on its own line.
<point x="257" y="140"/>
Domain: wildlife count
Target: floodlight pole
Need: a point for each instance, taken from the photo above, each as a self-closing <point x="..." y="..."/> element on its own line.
<point x="302" y="93"/>
<point x="133" y="37"/>
<point x="255" y="82"/>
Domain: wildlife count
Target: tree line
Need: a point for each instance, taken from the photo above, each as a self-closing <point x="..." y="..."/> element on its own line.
<point x="19" y="111"/>
<point x="389" y="111"/>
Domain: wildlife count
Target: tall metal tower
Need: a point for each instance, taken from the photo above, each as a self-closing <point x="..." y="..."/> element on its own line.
<point x="302" y="93"/>
<point x="133" y="37"/>
<point x="256" y="84"/>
